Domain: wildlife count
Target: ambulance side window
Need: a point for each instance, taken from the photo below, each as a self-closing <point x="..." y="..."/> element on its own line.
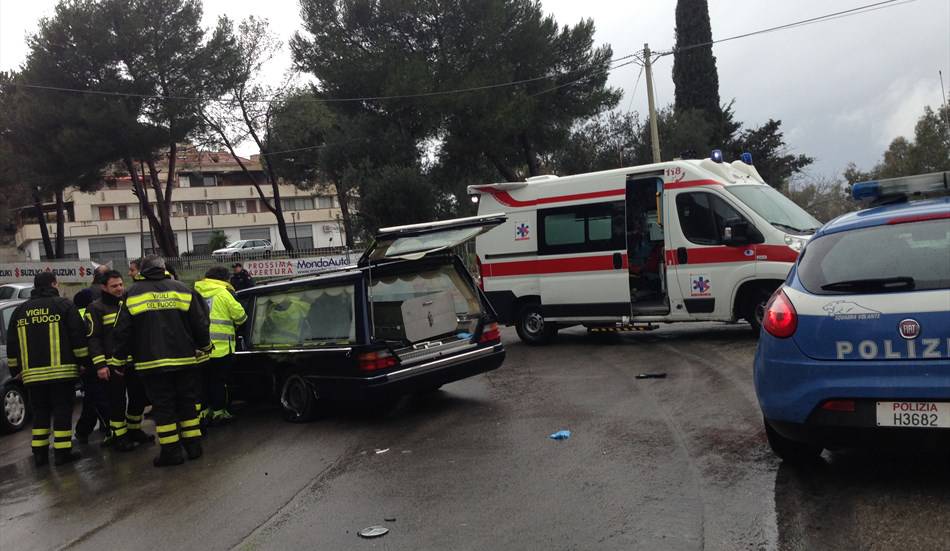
<point x="703" y="216"/>
<point x="582" y="228"/>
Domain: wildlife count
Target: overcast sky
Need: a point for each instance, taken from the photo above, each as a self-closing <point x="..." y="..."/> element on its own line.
<point x="843" y="89"/>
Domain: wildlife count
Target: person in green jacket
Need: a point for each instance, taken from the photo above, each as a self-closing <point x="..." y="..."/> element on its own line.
<point x="226" y="315"/>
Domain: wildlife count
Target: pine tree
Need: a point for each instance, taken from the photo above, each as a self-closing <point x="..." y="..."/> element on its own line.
<point x="694" y="68"/>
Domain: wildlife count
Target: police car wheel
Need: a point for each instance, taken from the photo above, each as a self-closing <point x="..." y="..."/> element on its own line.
<point x="531" y="327"/>
<point x="15" y="413"/>
<point x="299" y="400"/>
<point x="792" y="451"/>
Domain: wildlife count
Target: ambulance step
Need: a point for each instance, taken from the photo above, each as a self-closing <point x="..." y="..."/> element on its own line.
<point x="620" y="328"/>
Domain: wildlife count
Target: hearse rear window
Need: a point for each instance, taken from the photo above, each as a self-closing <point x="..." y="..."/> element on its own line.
<point x="304" y="317"/>
<point x="419" y="305"/>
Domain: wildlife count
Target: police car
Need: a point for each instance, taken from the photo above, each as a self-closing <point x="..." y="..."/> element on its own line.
<point x="855" y="346"/>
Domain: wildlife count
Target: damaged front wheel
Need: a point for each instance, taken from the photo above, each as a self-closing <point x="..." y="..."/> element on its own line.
<point x="299" y="400"/>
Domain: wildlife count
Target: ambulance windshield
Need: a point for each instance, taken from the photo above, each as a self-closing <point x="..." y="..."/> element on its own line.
<point x="778" y="210"/>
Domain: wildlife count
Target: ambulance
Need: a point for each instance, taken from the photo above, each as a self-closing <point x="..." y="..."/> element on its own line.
<point x="624" y="249"/>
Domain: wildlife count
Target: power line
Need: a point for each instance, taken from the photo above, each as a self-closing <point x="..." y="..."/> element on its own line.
<point x="324" y="100"/>
<point x="634" y="93"/>
<point x="819" y="19"/>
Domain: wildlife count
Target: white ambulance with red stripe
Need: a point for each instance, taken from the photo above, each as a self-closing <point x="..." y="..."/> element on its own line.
<point x="685" y="240"/>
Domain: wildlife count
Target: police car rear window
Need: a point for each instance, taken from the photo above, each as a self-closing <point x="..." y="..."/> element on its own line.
<point x="880" y="259"/>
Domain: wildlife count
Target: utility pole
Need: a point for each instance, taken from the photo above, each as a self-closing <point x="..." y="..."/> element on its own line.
<point x="654" y="136"/>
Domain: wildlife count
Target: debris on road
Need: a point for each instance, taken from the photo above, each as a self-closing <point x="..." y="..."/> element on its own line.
<point x="382" y="451"/>
<point x="561" y="435"/>
<point x="651" y="376"/>
<point x="390" y="519"/>
<point x="373" y="531"/>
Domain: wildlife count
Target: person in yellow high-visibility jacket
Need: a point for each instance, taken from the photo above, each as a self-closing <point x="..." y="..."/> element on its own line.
<point x="226" y="315"/>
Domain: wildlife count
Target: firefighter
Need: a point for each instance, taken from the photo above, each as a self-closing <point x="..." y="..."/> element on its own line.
<point x="95" y="395"/>
<point x="46" y="341"/>
<point x="125" y="425"/>
<point x="226" y="314"/>
<point x="163" y="325"/>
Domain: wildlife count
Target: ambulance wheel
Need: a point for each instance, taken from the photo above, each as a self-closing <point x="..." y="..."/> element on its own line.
<point x="299" y="400"/>
<point x="792" y="451"/>
<point x="754" y="308"/>
<point x="531" y="327"/>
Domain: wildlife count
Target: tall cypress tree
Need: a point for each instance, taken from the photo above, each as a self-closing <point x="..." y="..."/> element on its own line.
<point x="694" y="68"/>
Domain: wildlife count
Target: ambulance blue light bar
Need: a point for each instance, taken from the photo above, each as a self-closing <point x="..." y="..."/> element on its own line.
<point x="746" y="158"/>
<point x="716" y="155"/>
<point x="935" y="183"/>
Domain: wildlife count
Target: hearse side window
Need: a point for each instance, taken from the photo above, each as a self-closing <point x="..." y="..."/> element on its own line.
<point x="311" y="316"/>
<point x="582" y="228"/>
<point x="703" y="217"/>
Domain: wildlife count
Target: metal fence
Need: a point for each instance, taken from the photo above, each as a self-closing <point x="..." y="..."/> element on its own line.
<point x="192" y="267"/>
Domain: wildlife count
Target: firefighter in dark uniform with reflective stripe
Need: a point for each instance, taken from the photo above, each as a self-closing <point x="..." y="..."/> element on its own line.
<point x="46" y="341"/>
<point x="163" y="325"/>
<point x="125" y="425"/>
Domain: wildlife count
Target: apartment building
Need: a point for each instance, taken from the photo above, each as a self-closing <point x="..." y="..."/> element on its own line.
<point x="210" y="193"/>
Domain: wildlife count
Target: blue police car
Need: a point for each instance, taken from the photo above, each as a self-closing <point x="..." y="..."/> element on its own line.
<point x="855" y="346"/>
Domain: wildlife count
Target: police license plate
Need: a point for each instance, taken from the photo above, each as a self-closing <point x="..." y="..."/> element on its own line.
<point x="913" y="414"/>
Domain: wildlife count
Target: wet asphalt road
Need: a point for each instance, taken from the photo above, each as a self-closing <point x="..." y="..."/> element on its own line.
<point x="675" y="463"/>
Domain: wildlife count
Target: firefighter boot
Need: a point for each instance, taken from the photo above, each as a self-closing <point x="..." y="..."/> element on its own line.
<point x="64" y="456"/>
<point x="139" y="436"/>
<point x="170" y="455"/>
<point x="123" y="443"/>
<point x="41" y="457"/>
<point x="192" y="447"/>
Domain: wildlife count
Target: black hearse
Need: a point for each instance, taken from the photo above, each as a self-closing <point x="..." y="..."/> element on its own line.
<point x="407" y="318"/>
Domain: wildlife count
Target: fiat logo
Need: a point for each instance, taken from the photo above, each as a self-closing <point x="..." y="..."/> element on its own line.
<point x="909" y="328"/>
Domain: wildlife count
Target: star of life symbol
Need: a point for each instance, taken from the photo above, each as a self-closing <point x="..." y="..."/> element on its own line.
<point x="522" y="231"/>
<point x="701" y="285"/>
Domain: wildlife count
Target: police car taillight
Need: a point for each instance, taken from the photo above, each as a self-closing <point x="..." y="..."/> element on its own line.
<point x="936" y="183"/>
<point x="781" y="319"/>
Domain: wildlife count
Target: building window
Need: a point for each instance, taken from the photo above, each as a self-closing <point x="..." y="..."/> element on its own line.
<point x="209" y="181"/>
<point x="255" y="233"/>
<point x="200" y="240"/>
<point x="325" y="202"/>
<point x="108" y="249"/>
<point x="184" y="180"/>
<point x="301" y="235"/>
<point x="123" y="212"/>
<point x="297" y="203"/>
<point x="239" y="207"/>
<point x="106" y="213"/>
<point x="252" y="205"/>
<point x="70" y="250"/>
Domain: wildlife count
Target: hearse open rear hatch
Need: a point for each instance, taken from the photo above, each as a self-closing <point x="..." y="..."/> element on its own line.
<point x="425" y="310"/>
<point x="414" y="241"/>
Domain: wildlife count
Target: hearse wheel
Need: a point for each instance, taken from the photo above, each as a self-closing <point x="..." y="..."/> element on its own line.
<point x="299" y="400"/>
<point x="531" y="326"/>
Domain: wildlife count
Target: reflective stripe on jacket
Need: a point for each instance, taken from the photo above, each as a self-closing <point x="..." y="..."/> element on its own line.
<point x="226" y="314"/>
<point x="46" y="338"/>
<point x="101" y="317"/>
<point x="162" y="325"/>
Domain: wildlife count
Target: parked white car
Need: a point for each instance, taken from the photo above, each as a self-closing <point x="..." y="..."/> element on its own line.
<point x="11" y="291"/>
<point x="245" y="248"/>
